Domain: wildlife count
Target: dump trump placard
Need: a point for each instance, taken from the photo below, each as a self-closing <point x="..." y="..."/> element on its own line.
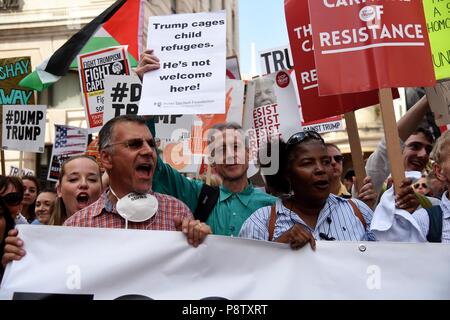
<point x="192" y="53"/>
<point x="24" y="128"/>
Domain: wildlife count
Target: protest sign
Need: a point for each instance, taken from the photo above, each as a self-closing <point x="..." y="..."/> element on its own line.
<point x="439" y="101"/>
<point x="80" y="263"/>
<point x="271" y="109"/>
<point x="122" y="95"/>
<point x="233" y="71"/>
<point x="24" y="128"/>
<point x="17" y="172"/>
<point x="69" y="141"/>
<point x="277" y="59"/>
<point x="191" y="79"/>
<point x="12" y="71"/>
<point x="315" y="107"/>
<point x="93" y="67"/>
<point x="437" y="14"/>
<point x="361" y="46"/>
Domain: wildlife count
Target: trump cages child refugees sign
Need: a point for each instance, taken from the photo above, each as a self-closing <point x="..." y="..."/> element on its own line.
<point x="192" y="51"/>
<point x="24" y="128"/>
<point x="365" y="45"/>
<point x="93" y="67"/>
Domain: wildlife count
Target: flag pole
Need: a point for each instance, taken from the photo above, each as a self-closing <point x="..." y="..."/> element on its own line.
<point x="392" y="137"/>
<point x="355" y="148"/>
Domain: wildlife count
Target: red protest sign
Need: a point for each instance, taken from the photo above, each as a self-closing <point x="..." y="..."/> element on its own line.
<point x="315" y="107"/>
<point x="365" y="45"/>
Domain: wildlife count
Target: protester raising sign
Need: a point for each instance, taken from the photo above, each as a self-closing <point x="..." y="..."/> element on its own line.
<point x="122" y="95"/>
<point x="93" y="68"/>
<point x="24" y="128"/>
<point x="361" y="46"/>
<point x="191" y="79"/>
<point x="315" y="107"/>
<point x="69" y="141"/>
<point x="437" y="14"/>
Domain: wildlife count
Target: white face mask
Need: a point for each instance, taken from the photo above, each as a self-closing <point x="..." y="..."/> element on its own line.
<point x="136" y="207"/>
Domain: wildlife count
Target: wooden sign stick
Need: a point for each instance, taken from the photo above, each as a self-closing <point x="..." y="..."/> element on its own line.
<point x="392" y="138"/>
<point x="355" y="148"/>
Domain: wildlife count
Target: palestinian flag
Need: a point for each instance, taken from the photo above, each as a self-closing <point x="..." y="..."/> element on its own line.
<point x="120" y="24"/>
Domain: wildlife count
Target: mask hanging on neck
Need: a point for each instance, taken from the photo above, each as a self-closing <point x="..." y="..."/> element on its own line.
<point x="136" y="207"/>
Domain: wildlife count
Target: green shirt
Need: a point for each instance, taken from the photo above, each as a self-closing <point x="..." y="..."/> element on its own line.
<point x="231" y="210"/>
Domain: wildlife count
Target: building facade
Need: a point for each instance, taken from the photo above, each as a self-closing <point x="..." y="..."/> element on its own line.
<point x="38" y="28"/>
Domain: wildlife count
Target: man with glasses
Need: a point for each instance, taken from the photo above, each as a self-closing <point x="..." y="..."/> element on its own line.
<point x="337" y="160"/>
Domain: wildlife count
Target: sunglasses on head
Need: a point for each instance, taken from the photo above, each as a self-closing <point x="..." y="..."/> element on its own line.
<point x="12" y="199"/>
<point x="423" y="185"/>
<point x="301" y="136"/>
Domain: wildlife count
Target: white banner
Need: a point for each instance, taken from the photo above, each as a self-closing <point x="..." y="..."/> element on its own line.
<point x="112" y="263"/>
<point x="24" y="128"/>
<point x="93" y="67"/>
<point x="191" y="79"/>
<point x="125" y="103"/>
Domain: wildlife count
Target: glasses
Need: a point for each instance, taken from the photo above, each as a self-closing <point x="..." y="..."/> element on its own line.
<point x="338" y="158"/>
<point x="135" y="144"/>
<point x="12" y="199"/>
<point x="301" y="136"/>
<point x="423" y="185"/>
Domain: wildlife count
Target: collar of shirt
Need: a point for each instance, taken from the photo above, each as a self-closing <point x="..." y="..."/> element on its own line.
<point x="243" y="196"/>
<point x="445" y="204"/>
<point x="331" y="202"/>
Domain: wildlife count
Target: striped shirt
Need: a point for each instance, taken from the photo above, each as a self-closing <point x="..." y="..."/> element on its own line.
<point x="336" y="220"/>
<point x="103" y="214"/>
<point x="421" y="216"/>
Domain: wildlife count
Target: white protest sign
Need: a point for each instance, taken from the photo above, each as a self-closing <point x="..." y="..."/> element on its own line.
<point x="233" y="71"/>
<point x="280" y="58"/>
<point x="17" y="172"/>
<point x="191" y="80"/>
<point x="122" y="95"/>
<point x="271" y="107"/>
<point x="69" y="141"/>
<point x="93" y="67"/>
<point x="80" y="263"/>
<point x="439" y="100"/>
<point x="24" y="128"/>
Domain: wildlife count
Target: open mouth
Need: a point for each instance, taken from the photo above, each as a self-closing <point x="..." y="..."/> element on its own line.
<point x="83" y="200"/>
<point x="144" y="170"/>
<point x="321" y="184"/>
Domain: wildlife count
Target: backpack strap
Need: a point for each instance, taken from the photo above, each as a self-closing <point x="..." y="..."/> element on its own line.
<point x="272" y="220"/>
<point x="358" y="213"/>
<point x="206" y="202"/>
<point x="435" y="230"/>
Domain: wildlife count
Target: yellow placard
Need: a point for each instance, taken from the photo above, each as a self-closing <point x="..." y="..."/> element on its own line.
<point x="437" y="14"/>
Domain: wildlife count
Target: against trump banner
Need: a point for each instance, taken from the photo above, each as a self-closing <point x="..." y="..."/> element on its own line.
<point x="93" y="67"/>
<point x="191" y="79"/>
<point x="315" y="107"/>
<point x="366" y="45"/>
<point x="24" y="128"/>
<point x="12" y="71"/>
<point x="79" y="263"/>
<point x="437" y="14"/>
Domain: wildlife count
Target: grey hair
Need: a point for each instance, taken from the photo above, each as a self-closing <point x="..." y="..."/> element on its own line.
<point x="106" y="133"/>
